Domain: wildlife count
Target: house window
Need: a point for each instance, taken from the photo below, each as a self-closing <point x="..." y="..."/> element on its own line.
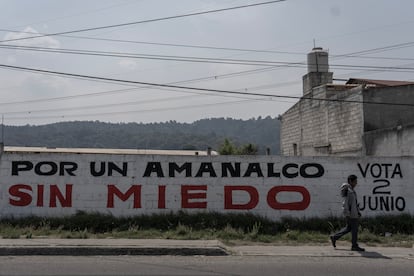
<point x="295" y="149"/>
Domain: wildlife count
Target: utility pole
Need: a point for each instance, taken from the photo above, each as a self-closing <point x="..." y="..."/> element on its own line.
<point x="2" y="135"/>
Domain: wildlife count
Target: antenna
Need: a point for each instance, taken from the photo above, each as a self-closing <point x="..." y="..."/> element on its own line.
<point x="314" y="43"/>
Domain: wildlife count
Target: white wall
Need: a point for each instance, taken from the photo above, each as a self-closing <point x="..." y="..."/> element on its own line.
<point x="397" y="141"/>
<point x="25" y="191"/>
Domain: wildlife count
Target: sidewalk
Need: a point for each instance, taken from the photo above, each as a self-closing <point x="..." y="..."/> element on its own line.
<point x="324" y="251"/>
<point x="79" y="247"/>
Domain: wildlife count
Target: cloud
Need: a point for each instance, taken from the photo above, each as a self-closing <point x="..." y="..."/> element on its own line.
<point x="11" y="59"/>
<point x="43" y="41"/>
<point x="42" y="86"/>
<point x="127" y="64"/>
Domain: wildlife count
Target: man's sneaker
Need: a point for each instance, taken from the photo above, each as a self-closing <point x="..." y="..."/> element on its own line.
<point x="333" y="241"/>
<point x="357" y="248"/>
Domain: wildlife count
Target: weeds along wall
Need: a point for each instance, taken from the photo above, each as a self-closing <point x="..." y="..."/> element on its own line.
<point x="53" y="184"/>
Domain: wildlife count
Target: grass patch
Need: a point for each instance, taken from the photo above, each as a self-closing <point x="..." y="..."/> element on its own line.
<point x="239" y="228"/>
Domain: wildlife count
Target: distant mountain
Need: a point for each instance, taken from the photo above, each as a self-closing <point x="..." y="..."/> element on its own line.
<point x="262" y="132"/>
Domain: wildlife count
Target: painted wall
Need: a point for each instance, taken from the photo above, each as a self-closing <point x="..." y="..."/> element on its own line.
<point x="389" y="116"/>
<point x="56" y="184"/>
<point x="396" y="141"/>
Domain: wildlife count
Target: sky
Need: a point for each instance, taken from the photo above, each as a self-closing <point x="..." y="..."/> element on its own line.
<point x="113" y="74"/>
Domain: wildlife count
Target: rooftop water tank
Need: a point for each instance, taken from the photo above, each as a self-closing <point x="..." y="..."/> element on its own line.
<point x="318" y="60"/>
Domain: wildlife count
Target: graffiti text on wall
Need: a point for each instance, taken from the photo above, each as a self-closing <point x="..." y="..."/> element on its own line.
<point x="187" y="169"/>
<point x="382" y="198"/>
<point x="192" y="196"/>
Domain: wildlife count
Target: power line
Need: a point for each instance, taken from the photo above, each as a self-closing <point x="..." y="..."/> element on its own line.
<point x="133" y="103"/>
<point x="68" y="97"/>
<point x="130" y="103"/>
<point x="377" y="57"/>
<point x="89" y="107"/>
<point x="364" y="52"/>
<point x="149" y="56"/>
<point x="96" y="106"/>
<point x="353" y="54"/>
<point x="167" y="44"/>
<point x="208" y="60"/>
<point x="77" y="14"/>
<point x="33" y="70"/>
<point x="127" y="112"/>
<point x="228" y="75"/>
<point x="254" y="71"/>
<point x="147" y="21"/>
<point x="132" y="55"/>
<point x="368" y="51"/>
<point x="215" y="77"/>
<point x="382" y="49"/>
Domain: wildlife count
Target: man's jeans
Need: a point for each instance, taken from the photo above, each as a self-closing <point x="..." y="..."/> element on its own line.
<point x="351" y="226"/>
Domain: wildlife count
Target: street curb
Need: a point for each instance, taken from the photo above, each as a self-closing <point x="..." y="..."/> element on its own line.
<point x="107" y="251"/>
<point x="159" y="247"/>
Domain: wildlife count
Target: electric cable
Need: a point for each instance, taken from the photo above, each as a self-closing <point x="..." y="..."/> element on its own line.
<point x="166" y="44"/>
<point x="33" y="70"/>
<point x="89" y="107"/>
<point x="139" y="55"/>
<point x="125" y="112"/>
<point x="152" y="57"/>
<point x="117" y="91"/>
<point x="207" y="60"/>
<point x="146" y="21"/>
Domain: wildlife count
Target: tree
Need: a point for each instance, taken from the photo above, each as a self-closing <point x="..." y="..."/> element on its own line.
<point x="228" y="148"/>
<point x="248" y="149"/>
<point x="261" y="132"/>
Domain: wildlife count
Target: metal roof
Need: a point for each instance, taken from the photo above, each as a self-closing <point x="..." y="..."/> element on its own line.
<point x="381" y="83"/>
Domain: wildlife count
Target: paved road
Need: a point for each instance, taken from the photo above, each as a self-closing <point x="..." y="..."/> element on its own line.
<point x="203" y="265"/>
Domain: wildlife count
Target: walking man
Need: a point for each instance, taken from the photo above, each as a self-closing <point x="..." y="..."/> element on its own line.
<point x="351" y="213"/>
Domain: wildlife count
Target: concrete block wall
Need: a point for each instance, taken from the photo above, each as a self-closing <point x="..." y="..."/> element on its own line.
<point x="290" y="130"/>
<point x="314" y="79"/>
<point x="345" y="125"/>
<point x="324" y="128"/>
<point x="396" y="141"/>
<point x="388" y="116"/>
<point x="314" y="125"/>
<point x="52" y="184"/>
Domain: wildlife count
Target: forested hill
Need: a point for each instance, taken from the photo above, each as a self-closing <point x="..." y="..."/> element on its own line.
<point x="262" y="132"/>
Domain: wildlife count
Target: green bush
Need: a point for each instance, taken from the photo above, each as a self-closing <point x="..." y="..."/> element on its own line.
<point x="83" y="224"/>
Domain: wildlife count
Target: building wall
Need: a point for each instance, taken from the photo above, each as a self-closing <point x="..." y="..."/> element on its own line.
<point x="397" y="141"/>
<point x="58" y="184"/>
<point x="388" y="116"/>
<point x="290" y="131"/>
<point x="313" y="113"/>
<point x="314" y="79"/>
<point x="345" y="124"/>
<point x="324" y="127"/>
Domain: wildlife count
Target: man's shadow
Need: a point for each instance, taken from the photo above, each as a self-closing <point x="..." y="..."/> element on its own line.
<point x="367" y="254"/>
